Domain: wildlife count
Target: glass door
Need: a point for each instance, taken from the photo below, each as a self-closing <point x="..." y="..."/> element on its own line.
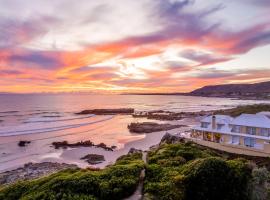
<point x="250" y="142"/>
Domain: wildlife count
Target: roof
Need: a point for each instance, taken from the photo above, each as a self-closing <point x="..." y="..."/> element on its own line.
<point x="253" y="120"/>
<point x="220" y="119"/>
<point x="264" y="113"/>
<point x="259" y="120"/>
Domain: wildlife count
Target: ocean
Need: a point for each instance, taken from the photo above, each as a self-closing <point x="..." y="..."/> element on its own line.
<point x="17" y="109"/>
<point x="45" y="118"/>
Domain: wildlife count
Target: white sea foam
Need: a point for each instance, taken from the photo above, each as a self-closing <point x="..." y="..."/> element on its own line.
<point x="45" y="129"/>
<point x="52" y="119"/>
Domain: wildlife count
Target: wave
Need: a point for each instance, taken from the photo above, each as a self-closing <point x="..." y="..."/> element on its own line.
<point x="11" y="111"/>
<point x="44" y="112"/>
<point x="50" y="129"/>
<point x="26" y="113"/>
<point x="19" y="157"/>
<point x="2" y="116"/>
<point x="49" y="116"/>
<point x="62" y="135"/>
<point x="57" y="120"/>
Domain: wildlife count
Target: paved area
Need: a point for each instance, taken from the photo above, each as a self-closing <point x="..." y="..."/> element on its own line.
<point x="230" y="148"/>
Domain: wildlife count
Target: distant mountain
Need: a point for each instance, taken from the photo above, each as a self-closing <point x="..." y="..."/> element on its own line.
<point x="255" y="91"/>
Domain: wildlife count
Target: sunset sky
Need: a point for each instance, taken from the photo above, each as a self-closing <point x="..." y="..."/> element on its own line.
<point x="115" y="46"/>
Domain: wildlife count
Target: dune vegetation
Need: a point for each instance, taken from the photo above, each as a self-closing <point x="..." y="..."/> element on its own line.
<point x="187" y="171"/>
<point x="246" y="109"/>
<point x="179" y="171"/>
<point x="115" y="182"/>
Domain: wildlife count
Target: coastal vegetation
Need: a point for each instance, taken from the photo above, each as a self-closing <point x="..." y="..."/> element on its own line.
<point x="113" y="183"/>
<point x="246" y="109"/>
<point x="186" y="171"/>
<point x="176" y="169"/>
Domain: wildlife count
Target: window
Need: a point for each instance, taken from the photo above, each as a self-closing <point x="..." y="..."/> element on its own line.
<point x="219" y="126"/>
<point x="207" y="136"/>
<point x="236" y="129"/>
<point x="251" y="130"/>
<point x="217" y="137"/>
<point x="249" y="142"/>
<point x="235" y="139"/>
<point x="264" y="132"/>
<point x="204" y="125"/>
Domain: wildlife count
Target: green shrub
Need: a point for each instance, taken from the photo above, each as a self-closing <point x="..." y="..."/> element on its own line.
<point x="187" y="171"/>
<point x="213" y="178"/>
<point x="114" y="182"/>
<point x="248" y="109"/>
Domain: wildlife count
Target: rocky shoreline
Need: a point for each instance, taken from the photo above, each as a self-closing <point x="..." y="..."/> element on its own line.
<point x="93" y="159"/>
<point x="32" y="171"/>
<point x="159" y="115"/>
<point x="149" y="127"/>
<point x="87" y="143"/>
<point x="122" y="111"/>
<point x="23" y="143"/>
<point x="168" y="115"/>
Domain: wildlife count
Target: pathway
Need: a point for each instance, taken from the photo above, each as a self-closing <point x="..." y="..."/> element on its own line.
<point x="138" y="194"/>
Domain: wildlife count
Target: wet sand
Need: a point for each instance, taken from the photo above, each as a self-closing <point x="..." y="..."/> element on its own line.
<point x="111" y="132"/>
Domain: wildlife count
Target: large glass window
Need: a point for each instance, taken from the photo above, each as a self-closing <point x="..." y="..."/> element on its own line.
<point x="249" y="142"/>
<point x="251" y="130"/>
<point x="204" y="125"/>
<point x="235" y="139"/>
<point x="219" y="126"/>
<point x="236" y="129"/>
<point x="265" y="132"/>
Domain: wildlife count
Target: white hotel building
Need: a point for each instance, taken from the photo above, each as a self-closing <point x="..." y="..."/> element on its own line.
<point x="250" y="131"/>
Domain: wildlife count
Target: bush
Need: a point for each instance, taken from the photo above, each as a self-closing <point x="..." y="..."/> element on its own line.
<point x="260" y="184"/>
<point x="186" y="171"/>
<point x="213" y="178"/>
<point x="115" y="182"/>
<point x="248" y="109"/>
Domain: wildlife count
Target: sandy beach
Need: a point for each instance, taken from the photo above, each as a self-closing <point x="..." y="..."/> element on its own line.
<point x="115" y="129"/>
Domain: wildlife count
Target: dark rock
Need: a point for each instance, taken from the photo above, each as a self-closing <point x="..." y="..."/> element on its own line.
<point x="104" y="146"/>
<point x="134" y="150"/>
<point x="149" y="127"/>
<point x="87" y="143"/>
<point x="33" y="170"/>
<point x="114" y="147"/>
<point x="23" y="143"/>
<point x="159" y="115"/>
<point x="171" y="139"/>
<point x="169" y="116"/>
<point x="126" y="111"/>
<point x="93" y="159"/>
<point x="65" y="144"/>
